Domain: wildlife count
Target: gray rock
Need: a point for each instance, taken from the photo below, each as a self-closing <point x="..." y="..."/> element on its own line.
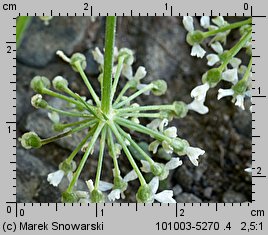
<point x="41" y="42"/>
<point x="233" y="197"/>
<point x="188" y="198"/>
<point x="184" y="178"/>
<point x="242" y="122"/>
<point x="177" y="190"/>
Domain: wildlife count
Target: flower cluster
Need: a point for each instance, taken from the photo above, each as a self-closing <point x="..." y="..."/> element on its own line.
<point x="113" y="130"/>
<point x="227" y="66"/>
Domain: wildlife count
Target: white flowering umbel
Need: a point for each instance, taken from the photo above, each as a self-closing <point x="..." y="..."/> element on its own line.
<point x="223" y="59"/>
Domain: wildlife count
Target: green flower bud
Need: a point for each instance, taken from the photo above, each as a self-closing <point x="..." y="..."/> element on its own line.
<point x="180" y="109"/>
<point x="179" y="145"/>
<point x="38" y="102"/>
<point x="162" y="154"/>
<point x="69" y="197"/>
<point x="96" y="196"/>
<point x="212" y="77"/>
<point x="67" y="167"/>
<point x="30" y="140"/>
<point x="129" y="55"/>
<point x="78" y="57"/>
<point x="240" y="88"/>
<point x="119" y="183"/>
<point x="39" y="83"/>
<point x="160" y="87"/>
<point x="145" y="194"/>
<point x="194" y="37"/>
<point x="157" y="169"/>
<point x="59" y="83"/>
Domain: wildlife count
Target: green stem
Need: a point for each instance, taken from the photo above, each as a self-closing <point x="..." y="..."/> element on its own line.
<point x="66" y="113"/>
<point x="227" y="27"/>
<point x="142" y="129"/>
<point x="79" y="147"/>
<point x="135" y="145"/>
<point x="87" y="83"/>
<point x="235" y="49"/>
<point x="117" y="75"/>
<point x="100" y="160"/>
<point x="143" y="115"/>
<point x="21" y="25"/>
<point x="62" y="126"/>
<point x="61" y="135"/>
<point x="85" y="157"/>
<point x="146" y="108"/>
<point x="247" y="73"/>
<point x="108" y="64"/>
<point x="136" y="94"/>
<point x="128" y="154"/>
<point x="113" y="155"/>
<point x="60" y="96"/>
<point x="122" y="92"/>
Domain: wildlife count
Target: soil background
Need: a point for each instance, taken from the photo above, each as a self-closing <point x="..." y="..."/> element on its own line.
<point x="159" y="45"/>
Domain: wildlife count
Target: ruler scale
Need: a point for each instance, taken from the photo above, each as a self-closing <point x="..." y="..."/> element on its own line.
<point x="132" y="218"/>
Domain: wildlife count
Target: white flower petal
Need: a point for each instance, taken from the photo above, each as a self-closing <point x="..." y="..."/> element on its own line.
<point x="225" y="92"/>
<point x="235" y="62"/>
<point x="219" y="21"/>
<point x="70" y="176"/>
<point x="198" y="106"/>
<point x="188" y="23"/>
<point x="84" y="200"/>
<point x="240" y="101"/>
<point x="98" y="56"/>
<point x="217" y="47"/>
<point x="193" y="154"/>
<point x="140" y="73"/>
<point x="248" y="170"/>
<point x="54" y="117"/>
<point x="82" y="194"/>
<point x="132" y="175"/>
<point x="90" y="185"/>
<point x="145" y="166"/>
<point x="154" y="146"/>
<point x="199" y="92"/>
<point x="163" y="124"/>
<point x="154" y="124"/>
<point x="230" y="75"/>
<point x="212" y="59"/>
<point x="114" y="194"/>
<point x="154" y="184"/>
<point x="165" y="196"/>
<point x="127" y="71"/>
<point x="167" y="147"/>
<point x="205" y="21"/>
<point x="171" y="132"/>
<point x="55" y="178"/>
<point x="105" y="186"/>
<point x="173" y="163"/>
<point x="198" y="51"/>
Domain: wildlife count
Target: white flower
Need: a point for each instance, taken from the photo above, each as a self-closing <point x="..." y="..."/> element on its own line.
<point x="235" y="62"/>
<point x="230" y="75"/>
<point x="164" y="196"/>
<point x="193" y="154"/>
<point x="225" y="92"/>
<point x="199" y="92"/>
<point x="140" y="73"/>
<point x="171" y="132"/>
<point x="98" y="56"/>
<point x="248" y="170"/>
<point x="205" y="22"/>
<point x="197" y="51"/>
<point x="172" y="164"/>
<point x="240" y="101"/>
<point x="54" y="117"/>
<point x="198" y="106"/>
<point x="212" y="59"/>
<point x="55" y="178"/>
<point x="188" y="23"/>
<point x="116" y="192"/>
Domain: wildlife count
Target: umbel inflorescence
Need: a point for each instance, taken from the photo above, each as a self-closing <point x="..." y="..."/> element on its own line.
<point x="112" y="118"/>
